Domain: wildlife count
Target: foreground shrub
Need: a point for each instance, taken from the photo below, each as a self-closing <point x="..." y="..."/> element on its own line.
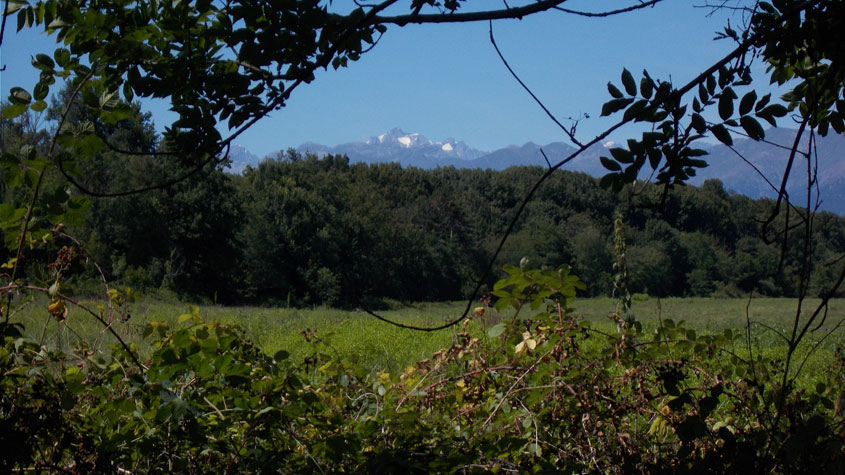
<point x="546" y="393"/>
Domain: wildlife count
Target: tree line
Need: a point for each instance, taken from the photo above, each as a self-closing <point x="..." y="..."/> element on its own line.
<point x="303" y="230"/>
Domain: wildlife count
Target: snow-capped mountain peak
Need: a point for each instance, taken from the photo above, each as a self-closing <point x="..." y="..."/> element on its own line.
<point x="398" y="137"/>
<point x="396" y="145"/>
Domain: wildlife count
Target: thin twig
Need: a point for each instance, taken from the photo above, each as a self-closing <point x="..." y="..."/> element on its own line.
<point x="530" y="93"/>
<point x="28" y="216"/>
<point x="510" y="390"/>
<point x="737" y="52"/>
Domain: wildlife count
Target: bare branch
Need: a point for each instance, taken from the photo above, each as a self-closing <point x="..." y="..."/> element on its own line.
<point x="609" y="12"/>
<point x="537" y="100"/>
<point x="741" y="49"/>
<point x="502" y="14"/>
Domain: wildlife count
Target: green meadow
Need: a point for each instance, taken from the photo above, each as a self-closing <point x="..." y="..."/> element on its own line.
<point x="379" y="346"/>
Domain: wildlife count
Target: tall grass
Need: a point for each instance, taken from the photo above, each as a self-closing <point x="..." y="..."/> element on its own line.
<point x="376" y="345"/>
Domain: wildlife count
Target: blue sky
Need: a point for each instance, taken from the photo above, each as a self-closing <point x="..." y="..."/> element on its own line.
<point x="447" y="81"/>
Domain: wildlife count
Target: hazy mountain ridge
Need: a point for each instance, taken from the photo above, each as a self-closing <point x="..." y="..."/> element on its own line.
<point x="413" y="149"/>
<point x="396" y="145"/>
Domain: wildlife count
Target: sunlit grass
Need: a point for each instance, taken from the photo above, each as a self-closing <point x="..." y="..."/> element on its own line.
<point x="362" y="339"/>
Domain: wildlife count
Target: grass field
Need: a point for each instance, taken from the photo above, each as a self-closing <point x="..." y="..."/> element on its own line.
<point x="361" y="338"/>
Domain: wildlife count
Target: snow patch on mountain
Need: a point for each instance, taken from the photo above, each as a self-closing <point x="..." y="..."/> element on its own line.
<point x="396" y="145"/>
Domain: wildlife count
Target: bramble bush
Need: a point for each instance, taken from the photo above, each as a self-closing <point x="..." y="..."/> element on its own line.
<point x="546" y="393"/>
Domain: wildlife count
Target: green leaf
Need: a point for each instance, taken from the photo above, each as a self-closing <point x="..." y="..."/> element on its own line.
<point x="19" y="95"/>
<point x="88" y="145"/>
<point x="62" y="57"/>
<point x="722" y="134"/>
<point x="128" y="94"/>
<point x="41" y="91"/>
<point x="628" y="82"/>
<point x="496" y="330"/>
<point x="752" y="127"/>
<point x="43" y="62"/>
<point x="13" y="6"/>
<point x="38" y="106"/>
<point x="57" y="23"/>
<point x="108" y="100"/>
<point x="14" y="110"/>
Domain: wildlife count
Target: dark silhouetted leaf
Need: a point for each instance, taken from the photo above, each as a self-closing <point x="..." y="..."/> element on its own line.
<point x="610" y="164"/>
<point x="752" y="127"/>
<point x="722" y="134"/>
<point x="615" y="105"/>
<point x="747" y="102"/>
<point x="726" y="104"/>
<point x="614" y="91"/>
<point x="628" y="82"/>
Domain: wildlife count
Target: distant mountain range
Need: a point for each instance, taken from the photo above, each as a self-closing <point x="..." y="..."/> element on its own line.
<point x="413" y="149"/>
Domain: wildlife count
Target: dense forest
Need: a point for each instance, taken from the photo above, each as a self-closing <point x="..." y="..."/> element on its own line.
<point x="302" y="230"/>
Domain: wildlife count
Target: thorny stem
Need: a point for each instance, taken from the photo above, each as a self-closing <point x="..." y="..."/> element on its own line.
<point x="80" y="305"/>
<point x="31" y="207"/>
